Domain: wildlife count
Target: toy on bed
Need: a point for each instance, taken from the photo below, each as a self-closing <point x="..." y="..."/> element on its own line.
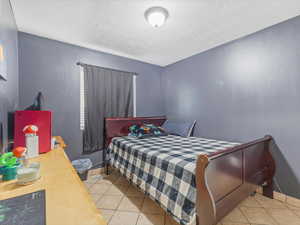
<point x="146" y="130"/>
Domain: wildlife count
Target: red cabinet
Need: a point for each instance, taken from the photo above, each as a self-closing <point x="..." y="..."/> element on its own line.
<point x="42" y="119"/>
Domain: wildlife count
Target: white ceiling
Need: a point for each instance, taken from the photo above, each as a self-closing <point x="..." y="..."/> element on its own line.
<point x="119" y="27"/>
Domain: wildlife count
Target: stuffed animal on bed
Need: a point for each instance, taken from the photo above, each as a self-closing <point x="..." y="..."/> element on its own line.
<point x="146" y="130"/>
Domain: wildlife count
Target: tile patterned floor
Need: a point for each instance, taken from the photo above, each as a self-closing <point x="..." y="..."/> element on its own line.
<point x="123" y="204"/>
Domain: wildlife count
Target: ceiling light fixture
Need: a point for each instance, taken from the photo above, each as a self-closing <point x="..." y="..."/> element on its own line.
<point x="156" y="16"/>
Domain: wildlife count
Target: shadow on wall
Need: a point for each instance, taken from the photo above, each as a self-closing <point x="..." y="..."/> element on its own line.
<point x="283" y="170"/>
<point x="4" y="106"/>
<point x="7" y="124"/>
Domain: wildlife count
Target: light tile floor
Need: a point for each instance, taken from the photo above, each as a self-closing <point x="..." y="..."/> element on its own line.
<point x="123" y="204"/>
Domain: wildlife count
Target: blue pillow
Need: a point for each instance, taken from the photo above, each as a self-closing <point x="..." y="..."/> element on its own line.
<point x="181" y="128"/>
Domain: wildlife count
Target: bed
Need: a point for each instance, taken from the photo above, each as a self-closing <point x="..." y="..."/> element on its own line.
<point x="196" y="180"/>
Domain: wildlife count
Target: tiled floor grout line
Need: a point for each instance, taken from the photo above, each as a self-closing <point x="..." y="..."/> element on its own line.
<point x="261" y="206"/>
<point x="244" y="215"/>
<point x="111" y="217"/>
<point x="116" y="209"/>
<point x="274" y="219"/>
<point x="266" y="210"/>
<point x="277" y="223"/>
<point x="298" y="215"/>
<point x="138" y="219"/>
<point x="131" y="211"/>
<point x="293" y="210"/>
<point x="101" y="195"/>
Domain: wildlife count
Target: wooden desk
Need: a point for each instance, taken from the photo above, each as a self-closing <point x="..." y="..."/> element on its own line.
<point x="67" y="199"/>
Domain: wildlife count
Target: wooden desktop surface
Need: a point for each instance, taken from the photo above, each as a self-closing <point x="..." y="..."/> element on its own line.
<point x="67" y="199"/>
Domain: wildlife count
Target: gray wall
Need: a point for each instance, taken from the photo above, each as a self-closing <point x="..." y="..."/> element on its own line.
<point x="50" y="66"/>
<point x="243" y="90"/>
<point x="8" y="38"/>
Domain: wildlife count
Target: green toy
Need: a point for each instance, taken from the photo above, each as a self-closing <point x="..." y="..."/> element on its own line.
<point x="8" y="166"/>
<point x="8" y="159"/>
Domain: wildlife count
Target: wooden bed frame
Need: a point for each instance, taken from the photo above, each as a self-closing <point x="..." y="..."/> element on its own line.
<point x="223" y="179"/>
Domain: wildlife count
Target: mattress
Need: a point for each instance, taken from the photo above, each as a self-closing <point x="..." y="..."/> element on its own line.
<point x="164" y="169"/>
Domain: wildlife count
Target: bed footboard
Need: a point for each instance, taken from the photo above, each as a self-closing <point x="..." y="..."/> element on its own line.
<point x="225" y="179"/>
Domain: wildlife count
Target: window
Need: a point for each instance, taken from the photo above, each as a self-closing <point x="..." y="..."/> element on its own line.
<point x="82" y="105"/>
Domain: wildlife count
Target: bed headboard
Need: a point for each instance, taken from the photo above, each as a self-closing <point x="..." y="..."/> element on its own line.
<point x="118" y="126"/>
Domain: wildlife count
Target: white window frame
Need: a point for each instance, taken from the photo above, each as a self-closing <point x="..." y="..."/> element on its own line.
<point x="82" y="103"/>
<point x="134" y="95"/>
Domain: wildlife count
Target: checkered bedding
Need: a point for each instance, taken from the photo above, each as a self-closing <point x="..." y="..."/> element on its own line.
<point x="164" y="168"/>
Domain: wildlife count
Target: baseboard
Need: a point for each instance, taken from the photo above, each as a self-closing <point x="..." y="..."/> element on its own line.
<point x="283" y="198"/>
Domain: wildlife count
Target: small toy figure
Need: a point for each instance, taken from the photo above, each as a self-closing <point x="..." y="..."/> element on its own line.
<point x="20" y="152"/>
<point x="8" y="159"/>
<point x="8" y="166"/>
<point x="30" y="129"/>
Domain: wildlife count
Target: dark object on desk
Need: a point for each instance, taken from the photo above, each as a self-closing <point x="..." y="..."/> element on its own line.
<point x="29" y="209"/>
<point x="1" y="138"/>
<point x="37" y="104"/>
<point x="10" y="126"/>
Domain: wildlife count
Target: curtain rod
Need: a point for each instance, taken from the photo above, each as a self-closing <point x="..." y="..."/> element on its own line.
<point x="82" y="64"/>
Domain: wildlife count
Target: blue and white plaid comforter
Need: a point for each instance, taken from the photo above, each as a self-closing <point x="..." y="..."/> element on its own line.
<point x="164" y="168"/>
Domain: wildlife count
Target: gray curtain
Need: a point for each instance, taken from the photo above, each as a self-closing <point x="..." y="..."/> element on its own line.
<point x="108" y="93"/>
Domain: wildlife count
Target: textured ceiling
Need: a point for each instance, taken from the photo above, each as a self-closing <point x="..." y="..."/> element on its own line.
<point x="119" y="27"/>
